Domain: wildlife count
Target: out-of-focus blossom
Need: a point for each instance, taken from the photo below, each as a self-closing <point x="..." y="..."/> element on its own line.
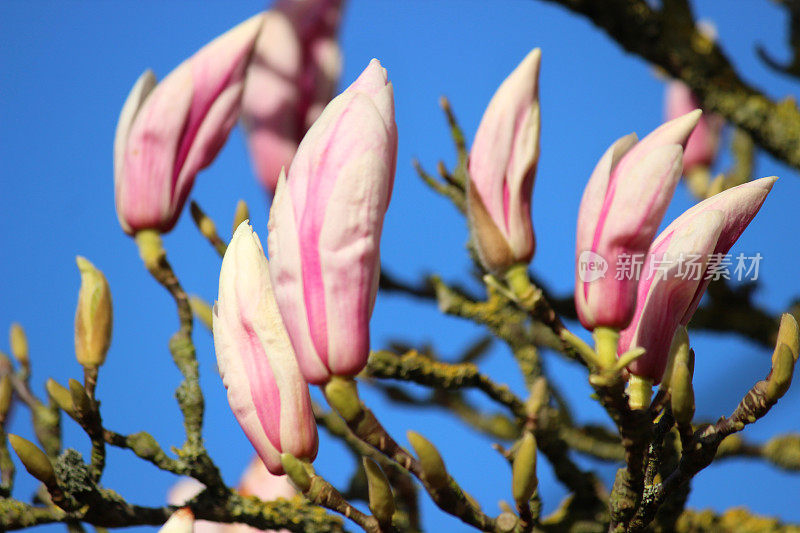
<point x="266" y="392"/>
<point x="325" y="227"/>
<point x="676" y="271"/>
<point x="622" y="206"/>
<point x="292" y="76"/>
<point x="703" y="144"/>
<point x="502" y="168"/>
<point x="168" y="132"/>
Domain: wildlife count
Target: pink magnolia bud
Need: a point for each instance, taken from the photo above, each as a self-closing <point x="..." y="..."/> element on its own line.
<point x="168" y="132"/>
<point x="181" y="521"/>
<point x="502" y="167"/>
<point x="266" y="392"/>
<point x="292" y="76"/>
<point x="674" y="274"/>
<point x="325" y="227"/>
<point x="183" y="491"/>
<point x="620" y="211"/>
<point x="703" y="144"/>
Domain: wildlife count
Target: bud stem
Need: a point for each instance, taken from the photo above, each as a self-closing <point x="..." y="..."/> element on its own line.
<point x="606" y="340"/>
<point x="640" y="390"/>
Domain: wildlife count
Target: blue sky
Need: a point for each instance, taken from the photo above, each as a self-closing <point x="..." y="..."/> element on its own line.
<point x="67" y="67"/>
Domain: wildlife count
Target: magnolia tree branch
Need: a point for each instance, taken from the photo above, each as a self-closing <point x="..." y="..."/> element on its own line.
<point x="670" y="39"/>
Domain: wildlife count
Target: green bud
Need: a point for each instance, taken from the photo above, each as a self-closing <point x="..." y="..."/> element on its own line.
<point x="781" y="376"/>
<point x="202" y="311"/>
<point x="681" y="390"/>
<point x="6" y="390"/>
<point x="296" y="471"/>
<point x="524" y="480"/>
<point x="678" y="349"/>
<point x="61" y="396"/>
<point x="430" y="460"/>
<point x="342" y="395"/>
<point x="19" y="345"/>
<point x="538" y="398"/>
<point x="93" y="316"/>
<point x="204" y="223"/>
<point x="381" y="499"/>
<point x="788" y="334"/>
<point x="33" y="459"/>
<point x="80" y="400"/>
<point x="241" y="214"/>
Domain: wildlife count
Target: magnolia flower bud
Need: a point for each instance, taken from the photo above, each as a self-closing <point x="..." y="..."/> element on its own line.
<point x="6" y="393"/>
<point x="430" y="460"/>
<point x="19" y="345"/>
<point x="381" y="499"/>
<point x="181" y="521"/>
<point x="781" y="375"/>
<point x="681" y="389"/>
<point x="524" y="480"/>
<point x="292" y="76"/>
<point x="703" y="144"/>
<point x="325" y="227"/>
<point x="33" y="459"/>
<point x="168" y="132"/>
<point x="265" y="389"/>
<point x="668" y="297"/>
<point x="241" y="214"/>
<point x="622" y="206"/>
<point x="789" y="334"/>
<point x="61" y="396"/>
<point x="93" y="317"/>
<point x="502" y="167"/>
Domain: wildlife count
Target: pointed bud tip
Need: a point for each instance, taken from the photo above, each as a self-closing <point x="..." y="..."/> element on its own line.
<point x="381" y="499"/>
<point x="33" y="459"/>
<point x="430" y="459"/>
<point x="524" y="480"/>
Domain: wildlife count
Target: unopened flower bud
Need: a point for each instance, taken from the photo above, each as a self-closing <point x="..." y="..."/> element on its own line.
<point x="181" y="521"/>
<point x="342" y="395"/>
<point x="682" y="392"/>
<point x="502" y="168"/>
<point x="241" y="214"/>
<point x="781" y="376"/>
<point x="202" y="311"/>
<point x="524" y="480"/>
<point x="19" y="345"/>
<point x="6" y="390"/>
<point x="80" y="400"/>
<point x="430" y="460"/>
<point x="789" y="334"/>
<point x="325" y="226"/>
<point x="667" y="298"/>
<point x="538" y="398"/>
<point x="61" y="396"/>
<point x="296" y="470"/>
<point x="680" y="343"/>
<point x="93" y="316"/>
<point x="203" y="222"/>
<point x="381" y="499"/>
<point x="33" y="459"/>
